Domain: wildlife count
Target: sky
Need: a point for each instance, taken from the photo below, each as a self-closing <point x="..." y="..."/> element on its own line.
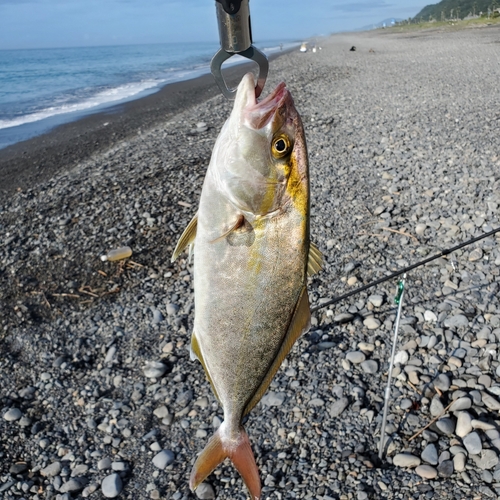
<point x="75" y="23"/>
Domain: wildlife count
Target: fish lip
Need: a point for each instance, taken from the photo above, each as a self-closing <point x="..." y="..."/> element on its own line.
<point x="261" y="112"/>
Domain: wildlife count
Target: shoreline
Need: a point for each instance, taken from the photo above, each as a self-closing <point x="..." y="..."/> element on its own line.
<point x="28" y="163"/>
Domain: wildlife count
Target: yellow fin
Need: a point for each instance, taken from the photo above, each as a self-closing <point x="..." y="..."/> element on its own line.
<point x="299" y="324"/>
<point x="315" y="260"/>
<point x="239" y="223"/>
<point x="186" y="239"/>
<point x="196" y="352"/>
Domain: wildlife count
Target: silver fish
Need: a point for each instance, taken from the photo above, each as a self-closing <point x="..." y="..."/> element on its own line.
<point x="251" y="261"/>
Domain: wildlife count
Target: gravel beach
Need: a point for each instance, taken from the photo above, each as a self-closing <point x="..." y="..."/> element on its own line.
<point x="99" y="398"/>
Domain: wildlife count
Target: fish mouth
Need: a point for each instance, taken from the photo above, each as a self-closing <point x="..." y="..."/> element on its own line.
<point x="259" y="114"/>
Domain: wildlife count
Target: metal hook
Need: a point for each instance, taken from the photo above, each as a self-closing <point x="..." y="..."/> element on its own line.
<point x="251" y="53"/>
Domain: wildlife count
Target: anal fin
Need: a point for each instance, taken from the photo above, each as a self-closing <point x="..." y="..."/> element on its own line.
<point x="195" y="352"/>
<point x="299" y="324"/>
<point x="187" y="238"/>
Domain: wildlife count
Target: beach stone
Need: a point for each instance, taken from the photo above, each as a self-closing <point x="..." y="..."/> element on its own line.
<point x="376" y="300"/>
<point x="446" y="468"/>
<point x="420" y="229"/>
<point x="487" y="460"/>
<point x="401" y="358"/>
<point x="51" y="470"/>
<point x="464" y="424"/>
<point x="430" y="436"/>
<point x="472" y="443"/>
<point x="406" y="460"/>
<point x="475" y="255"/>
<point x="371" y="323"/>
<point x="436" y="408"/>
<point x="459" y="461"/>
<point x="456" y="321"/>
<point x="338" y="407"/>
<point x="483" y="426"/>
<point x="355" y="357"/>
<point x="352" y="280"/>
<point x="430" y="454"/>
<point x="71" y="486"/>
<point x="161" y="412"/>
<point x="365" y="346"/>
<point x="405" y="404"/>
<point x="426" y="471"/>
<point x="429" y="316"/>
<point x="111" y="485"/>
<point x="273" y="399"/>
<point x="172" y="309"/>
<point x="442" y="382"/>
<point x="154" y="369"/>
<point x="163" y="459"/>
<point x="490" y="402"/>
<point x="12" y="414"/>
<point x="343" y="318"/>
<point x="370" y="366"/>
<point x="104" y="463"/>
<point x="446" y="425"/>
<point x="205" y="491"/>
<point x="461" y="404"/>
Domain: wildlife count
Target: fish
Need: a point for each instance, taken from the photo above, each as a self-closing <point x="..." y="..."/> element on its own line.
<point x="252" y="258"/>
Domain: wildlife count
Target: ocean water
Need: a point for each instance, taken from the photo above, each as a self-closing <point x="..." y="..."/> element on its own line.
<point x="43" y="88"/>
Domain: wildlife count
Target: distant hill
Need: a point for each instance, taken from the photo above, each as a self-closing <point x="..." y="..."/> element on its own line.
<point x="452" y="9"/>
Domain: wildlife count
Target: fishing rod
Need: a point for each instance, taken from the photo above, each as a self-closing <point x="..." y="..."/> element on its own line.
<point x="405" y="270"/>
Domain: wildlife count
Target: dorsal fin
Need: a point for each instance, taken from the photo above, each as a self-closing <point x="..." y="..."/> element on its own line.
<point x="299" y="324"/>
<point x="315" y="260"/>
<point x="186" y="239"/>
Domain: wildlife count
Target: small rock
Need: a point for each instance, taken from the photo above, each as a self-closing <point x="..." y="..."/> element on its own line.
<point x="172" y="309"/>
<point x="370" y="366"/>
<point x="459" y="462"/>
<point x="429" y="316"/>
<point x="406" y="460"/>
<point x="154" y="369"/>
<point x="161" y="412"/>
<point x="71" y="486"/>
<point x="464" y="424"/>
<point x="487" y="460"/>
<point x="442" y="382"/>
<point x="163" y="459"/>
<point x="446" y="425"/>
<point x="475" y="255"/>
<point x="338" y="407"/>
<point x="274" y="399"/>
<point x="371" y="323"/>
<point x="205" y="491"/>
<point x="355" y="357"/>
<point x="446" y="468"/>
<point x="51" y="470"/>
<point x="157" y="316"/>
<point x="376" y="300"/>
<point x="456" y="321"/>
<point x="426" y="471"/>
<point x="111" y="486"/>
<point x="436" y="408"/>
<point x="104" y="463"/>
<point x="461" y="404"/>
<point x="472" y="443"/>
<point x="401" y="358"/>
<point x="343" y="318"/>
<point x="430" y="454"/>
<point x="13" y="414"/>
<point x="352" y="280"/>
<point x="490" y="402"/>
<point x="420" y="229"/>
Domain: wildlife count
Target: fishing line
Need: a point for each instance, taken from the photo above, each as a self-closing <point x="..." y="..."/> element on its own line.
<point x="404" y="270"/>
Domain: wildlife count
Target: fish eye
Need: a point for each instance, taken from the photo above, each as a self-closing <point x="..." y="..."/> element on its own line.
<point x="281" y="146"/>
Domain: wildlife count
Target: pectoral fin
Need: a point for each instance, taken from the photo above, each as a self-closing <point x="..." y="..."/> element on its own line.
<point x="186" y="239"/>
<point x="240" y="222"/>
<point x="315" y="260"/>
<point x="299" y="324"/>
<point x="195" y="353"/>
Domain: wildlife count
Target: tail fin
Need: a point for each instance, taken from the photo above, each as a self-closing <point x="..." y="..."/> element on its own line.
<point x="241" y="455"/>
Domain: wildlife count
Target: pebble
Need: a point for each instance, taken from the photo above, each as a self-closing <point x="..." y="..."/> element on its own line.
<point x="487" y="460"/>
<point x="442" y="382"/>
<point x="12" y="415"/>
<point x="446" y="468"/>
<point x="472" y="443"/>
<point x="376" y="300"/>
<point x="461" y="404"/>
<point x="370" y="366"/>
<point x="338" y="407"/>
<point x="436" y="407"/>
<point x="429" y="316"/>
<point x="51" y="470"/>
<point x="154" y="369"/>
<point x="490" y="402"/>
<point x="161" y="412"/>
<point x="273" y="398"/>
<point x="355" y="357"/>
<point x="426" y="471"/>
<point x="163" y="459"/>
<point x="352" y="280"/>
<point x="111" y="486"/>
<point x="459" y="462"/>
<point x="464" y="424"/>
<point x="104" y="463"/>
<point x="172" y="309"/>
<point x="430" y="454"/>
<point x="372" y="323"/>
<point x="71" y="486"/>
<point x="401" y="358"/>
<point x="456" y="321"/>
<point x="446" y="425"/>
<point x="343" y="318"/>
<point x="406" y="460"/>
<point x="205" y="491"/>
